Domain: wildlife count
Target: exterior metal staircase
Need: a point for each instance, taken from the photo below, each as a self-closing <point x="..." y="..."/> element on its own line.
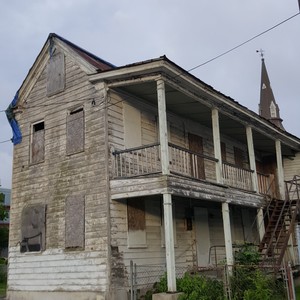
<point x="281" y="215"/>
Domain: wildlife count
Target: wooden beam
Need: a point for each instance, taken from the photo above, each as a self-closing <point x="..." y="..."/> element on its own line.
<point x="227" y="234"/>
<point x="280" y="174"/>
<point x="217" y="144"/>
<point x="167" y="197"/>
<point x="252" y="158"/>
<point x="260" y="223"/>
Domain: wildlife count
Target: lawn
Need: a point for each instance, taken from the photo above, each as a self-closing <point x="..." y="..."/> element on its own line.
<point x="297" y="288"/>
<point x="2" y="289"/>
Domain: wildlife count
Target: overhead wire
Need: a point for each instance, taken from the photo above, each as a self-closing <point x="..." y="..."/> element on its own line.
<point x="243" y="43"/>
<point x="180" y="74"/>
<point x="64" y="121"/>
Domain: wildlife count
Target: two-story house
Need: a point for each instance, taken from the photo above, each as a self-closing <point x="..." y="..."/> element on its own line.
<point x="142" y="162"/>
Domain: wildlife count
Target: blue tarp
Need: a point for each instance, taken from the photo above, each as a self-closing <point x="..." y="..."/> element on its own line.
<point x="17" y="135"/>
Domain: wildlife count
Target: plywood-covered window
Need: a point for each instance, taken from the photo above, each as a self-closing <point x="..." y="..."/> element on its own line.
<point x="33" y="228"/>
<point x="239" y="157"/>
<point x="75" y="131"/>
<point x="136" y="222"/>
<point x="132" y="126"/>
<point x="56" y="74"/>
<point x="223" y="152"/>
<point x="37" y="142"/>
<point x="75" y="222"/>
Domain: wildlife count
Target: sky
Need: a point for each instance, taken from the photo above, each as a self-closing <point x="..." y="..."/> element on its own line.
<point x="189" y="32"/>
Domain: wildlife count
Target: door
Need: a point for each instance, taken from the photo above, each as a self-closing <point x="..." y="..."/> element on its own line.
<point x="202" y="235"/>
<point x="197" y="162"/>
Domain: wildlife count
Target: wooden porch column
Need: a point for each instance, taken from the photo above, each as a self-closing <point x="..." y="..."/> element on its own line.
<point x="260" y="223"/>
<point x="252" y="158"/>
<point x="227" y="234"/>
<point x="280" y="175"/>
<point x="167" y="198"/>
<point x="217" y="144"/>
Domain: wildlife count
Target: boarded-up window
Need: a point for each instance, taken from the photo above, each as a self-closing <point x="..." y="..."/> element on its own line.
<point x="136" y="223"/>
<point x="56" y="74"/>
<point x="223" y="151"/>
<point x="75" y="221"/>
<point x="132" y="126"/>
<point x="38" y="142"/>
<point x="33" y="228"/>
<point x="75" y="131"/>
<point x="238" y="157"/>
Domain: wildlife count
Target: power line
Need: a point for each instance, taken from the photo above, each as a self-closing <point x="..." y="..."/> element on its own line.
<point x="64" y="122"/>
<point x="208" y="61"/>
<point x="242" y="44"/>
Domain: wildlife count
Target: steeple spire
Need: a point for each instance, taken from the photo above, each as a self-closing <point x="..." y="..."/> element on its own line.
<point x="267" y="106"/>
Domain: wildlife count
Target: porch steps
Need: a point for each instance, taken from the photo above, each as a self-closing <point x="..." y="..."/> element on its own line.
<point x="281" y="216"/>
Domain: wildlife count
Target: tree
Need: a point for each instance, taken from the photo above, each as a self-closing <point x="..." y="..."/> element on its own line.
<point x="3" y="211"/>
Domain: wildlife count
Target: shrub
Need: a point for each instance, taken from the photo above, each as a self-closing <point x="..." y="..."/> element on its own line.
<point x="194" y="287"/>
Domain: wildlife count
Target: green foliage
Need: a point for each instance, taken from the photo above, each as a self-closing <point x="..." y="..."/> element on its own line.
<point x="195" y="287"/>
<point x="247" y="282"/>
<point x="3" y="237"/>
<point x="247" y="255"/>
<point x="3" y="211"/>
<point x="250" y="283"/>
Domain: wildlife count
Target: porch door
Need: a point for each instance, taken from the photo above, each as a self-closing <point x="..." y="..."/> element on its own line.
<point x="197" y="162"/>
<point x="202" y="235"/>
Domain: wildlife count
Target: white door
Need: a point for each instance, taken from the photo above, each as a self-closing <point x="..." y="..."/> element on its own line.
<point x="202" y="235"/>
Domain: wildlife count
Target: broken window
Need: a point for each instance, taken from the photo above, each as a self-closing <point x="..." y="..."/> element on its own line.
<point x="33" y="228"/>
<point x="38" y="142"/>
<point x="136" y="220"/>
<point x="75" y="131"/>
<point x="56" y="74"/>
<point x="75" y="222"/>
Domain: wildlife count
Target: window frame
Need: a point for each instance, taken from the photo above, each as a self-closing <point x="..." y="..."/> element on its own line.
<point x="33" y="161"/>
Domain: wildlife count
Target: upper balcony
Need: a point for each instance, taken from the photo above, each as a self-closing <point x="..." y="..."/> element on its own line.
<point x="178" y="101"/>
<point x="142" y="166"/>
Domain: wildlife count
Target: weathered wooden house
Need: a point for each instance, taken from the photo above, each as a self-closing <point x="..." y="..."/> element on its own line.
<point x="142" y="163"/>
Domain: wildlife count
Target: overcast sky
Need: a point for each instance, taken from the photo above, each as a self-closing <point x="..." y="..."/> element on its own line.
<point x="189" y="32"/>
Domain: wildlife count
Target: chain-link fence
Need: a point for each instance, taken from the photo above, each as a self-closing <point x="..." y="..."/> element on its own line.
<point x="239" y="282"/>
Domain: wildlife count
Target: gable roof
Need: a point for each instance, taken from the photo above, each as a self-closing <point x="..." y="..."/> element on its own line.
<point x="99" y="63"/>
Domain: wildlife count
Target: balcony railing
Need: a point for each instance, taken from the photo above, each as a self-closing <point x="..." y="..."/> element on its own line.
<point x="145" y="160"/>
<point x="266" y="184"/>
<point x="138" y="161"/>
<point x="237" y="177"/>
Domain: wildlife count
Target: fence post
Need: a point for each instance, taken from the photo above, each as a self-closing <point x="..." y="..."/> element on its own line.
<point x="290" y="283"/>
<point x="135" y="282"/>
<point x="131" y="280"/>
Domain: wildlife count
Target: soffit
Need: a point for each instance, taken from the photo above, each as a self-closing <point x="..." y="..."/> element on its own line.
<point x="199" y="110"/>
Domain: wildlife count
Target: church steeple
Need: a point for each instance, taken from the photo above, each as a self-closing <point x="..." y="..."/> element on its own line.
<point x="267" y="106"/>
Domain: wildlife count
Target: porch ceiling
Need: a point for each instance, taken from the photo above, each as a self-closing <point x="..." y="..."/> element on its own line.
<point x="188" y="107"/>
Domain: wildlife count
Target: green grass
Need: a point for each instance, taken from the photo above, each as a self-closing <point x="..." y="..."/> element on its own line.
<point x="2" y="289"/>
<point x="297" y="288"/>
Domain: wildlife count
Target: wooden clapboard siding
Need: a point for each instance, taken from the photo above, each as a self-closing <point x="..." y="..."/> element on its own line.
<point x="55" y="269"/>
<point x="51" y="181"/>
<point x="291" y="167"/>
<point x="154" y="252"/>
